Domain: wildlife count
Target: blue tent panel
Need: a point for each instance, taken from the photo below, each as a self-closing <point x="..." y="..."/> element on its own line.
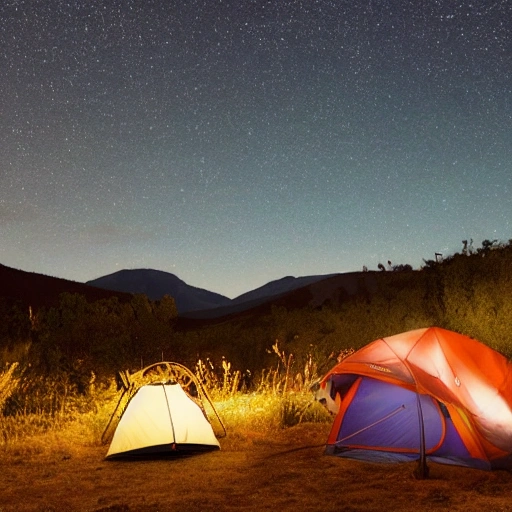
<point x="382" y="424"/>
<point x="386" y="417"/>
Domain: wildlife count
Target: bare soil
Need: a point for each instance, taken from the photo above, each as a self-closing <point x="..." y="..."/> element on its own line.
<point x="285" y="471"/>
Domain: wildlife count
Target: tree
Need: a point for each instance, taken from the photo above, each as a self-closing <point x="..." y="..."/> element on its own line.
<point x="401" y="267"/>
<point x="487" y="245"/>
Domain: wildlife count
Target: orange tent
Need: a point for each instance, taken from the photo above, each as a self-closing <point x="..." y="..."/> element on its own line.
<point x="424" y="394"/>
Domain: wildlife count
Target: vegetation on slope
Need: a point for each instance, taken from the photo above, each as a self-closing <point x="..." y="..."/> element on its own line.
<point x="470" y="293"/>
<point x="57" y="386"/>
<point x="81" y="344"/>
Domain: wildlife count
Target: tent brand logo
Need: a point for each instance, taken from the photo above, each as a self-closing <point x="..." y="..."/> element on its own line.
<point x="379" y="368"/>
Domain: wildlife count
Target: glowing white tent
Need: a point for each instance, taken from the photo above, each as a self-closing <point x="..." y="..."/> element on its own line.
<point x="162" y="419"/>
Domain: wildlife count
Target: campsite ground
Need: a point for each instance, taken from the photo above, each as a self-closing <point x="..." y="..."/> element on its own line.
<point x="287" y="471"/>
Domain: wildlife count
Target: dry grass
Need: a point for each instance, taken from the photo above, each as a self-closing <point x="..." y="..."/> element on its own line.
<point x="280" y="470"/>
<point x="8" y="383"/>
<point x="271" y="459"/>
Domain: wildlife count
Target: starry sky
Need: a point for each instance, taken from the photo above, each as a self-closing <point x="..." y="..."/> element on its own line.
<point x="234" y="142"/>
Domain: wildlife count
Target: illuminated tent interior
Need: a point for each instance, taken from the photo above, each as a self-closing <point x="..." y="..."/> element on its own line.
<point x="428" y="394"/>
<point x="160" y="417"/>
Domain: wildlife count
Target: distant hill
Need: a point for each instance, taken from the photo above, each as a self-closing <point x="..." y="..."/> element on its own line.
<point x="156" y="283"/>
<point x="38" y="290"/>
<point x="313" y="315"/>
<point x="254" y="298"/>
<point x="278" y="287"/>
<point x="193" y="302"/>
<point x="291" y="293"/>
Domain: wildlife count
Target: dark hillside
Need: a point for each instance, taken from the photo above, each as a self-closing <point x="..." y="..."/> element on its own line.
<point x="342" y="311"/>
<point x="319" y="292"/>
<point x="37" y="290"/>
<point x="279" y="287"/>
<point x="466" y="293"/>
<point x="193" y="302"/>
<point x="155" y="284"/>
<point x="469" y="293"/>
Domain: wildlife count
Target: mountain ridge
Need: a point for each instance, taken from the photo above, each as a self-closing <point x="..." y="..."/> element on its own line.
<point x="157" y="283"/>
<point x="192" y="302"/>
<point x="38" y="290"/>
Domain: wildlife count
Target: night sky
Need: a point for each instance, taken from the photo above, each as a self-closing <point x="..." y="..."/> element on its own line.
<point x="237" y="142"/>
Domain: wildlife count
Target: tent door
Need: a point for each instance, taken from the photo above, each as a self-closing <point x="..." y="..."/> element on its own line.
<point x="383" y="416"/>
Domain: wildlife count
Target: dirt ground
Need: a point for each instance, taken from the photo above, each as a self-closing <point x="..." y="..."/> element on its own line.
<point x="253" y="472"/>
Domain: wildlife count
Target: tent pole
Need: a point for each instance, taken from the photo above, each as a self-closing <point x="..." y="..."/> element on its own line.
<point x="173" y="444"/>
<point x="422" y="471"/>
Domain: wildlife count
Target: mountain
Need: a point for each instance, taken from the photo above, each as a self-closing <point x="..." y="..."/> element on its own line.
<point x="195" y="302"/>
<point x="37" y="290"/>
<point x="192" y="303"/>
<point x="156" y="283"/>
<point x="291" y="293"/>
<point x="278" y="287"/>
<point x="254" y="298"/>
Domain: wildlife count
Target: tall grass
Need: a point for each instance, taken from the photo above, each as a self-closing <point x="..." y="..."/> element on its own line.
<point x="280" y="395"/>
<point x="48" y="414"/>
<point x="8" y="384"/>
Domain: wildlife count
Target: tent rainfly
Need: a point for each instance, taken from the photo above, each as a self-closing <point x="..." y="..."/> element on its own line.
<point x="427" y="394"/>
